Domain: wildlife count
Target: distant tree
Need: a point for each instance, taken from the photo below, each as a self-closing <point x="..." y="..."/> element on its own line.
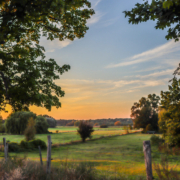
<point x="70" y="123"/>
<point x="117" y="123"/>
<point x="51" y="122"/>
<point x="41" y="125"/>
<point x="85" y="130"/>
<point x="17" y="122"/>
<point x="145" y="112"/>
<point x="30" y="130"/>
<point x="96" y="124"/>
<point x="103" y="126"/>
<point x="76" y="123"/>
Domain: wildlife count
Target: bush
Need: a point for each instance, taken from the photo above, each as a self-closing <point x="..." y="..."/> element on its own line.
<point x="17" y="122"/>
<point x="30" y="131"/>
<point x="37" y="142"/>
<point x="33" y="144"/>
<point x="156" y="140"/>
<point x="25" y="145"/>
<point x="41" y="125"/>
<point x="14" y="147"/>
<point x="51" y="122"/>
<point x="85" y="130"/>
<point x="149" y="127"/>
<point x="103" y="126"/>
<point x="117" y="123"/>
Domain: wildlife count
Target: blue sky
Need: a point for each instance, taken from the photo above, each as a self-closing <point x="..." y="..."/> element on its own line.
<point x="113" y="66"/>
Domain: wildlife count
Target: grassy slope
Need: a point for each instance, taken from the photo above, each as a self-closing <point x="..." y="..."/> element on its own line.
<point x="122" y="154"/>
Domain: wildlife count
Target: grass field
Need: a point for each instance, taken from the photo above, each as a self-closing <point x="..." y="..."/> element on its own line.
<point x="111" y="155"/>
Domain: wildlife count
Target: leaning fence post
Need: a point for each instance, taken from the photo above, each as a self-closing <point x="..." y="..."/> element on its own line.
<point x="40" y="155"/>
<point x="5" y="148"/>
<point x="147" y="158"/>
<point x="49" y="155"/>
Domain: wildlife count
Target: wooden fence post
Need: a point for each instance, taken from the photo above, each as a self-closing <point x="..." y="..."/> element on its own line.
<point x="5" y="148"/>
<point x="40" y="155"/>
<point x="147" y="158"/>
<point x="49" y="155"/>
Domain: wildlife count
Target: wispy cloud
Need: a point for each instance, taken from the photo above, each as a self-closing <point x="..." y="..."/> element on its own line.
<point x="157" y="74"/>
<point x="95" y="18"/>
<point x="153" y="54"/>
<point x="110" y="21"/>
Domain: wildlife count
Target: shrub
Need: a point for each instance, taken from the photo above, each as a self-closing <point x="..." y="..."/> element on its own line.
<point x="156" y="140"/>
<point x="33" y="144"/>
<point x="14" y="147"/>
<point x="149" y="127"/>
<point x="103" y="126"/>
<point x="17" y="122"/>
<point x="41" y="125"/>
<point x="30" y="131"/>
<point x="117" y="123"/>
<point x="37" y="142"/>
<point x="51" y="122"/>
<point x="85" y="130"/>
<point x="25" y="145"/>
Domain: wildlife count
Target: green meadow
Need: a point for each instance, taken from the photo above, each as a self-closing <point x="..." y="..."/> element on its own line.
<point x="110" y="155"/>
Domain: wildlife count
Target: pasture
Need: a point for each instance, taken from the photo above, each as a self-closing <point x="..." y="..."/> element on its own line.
<point x="110" y="155"/>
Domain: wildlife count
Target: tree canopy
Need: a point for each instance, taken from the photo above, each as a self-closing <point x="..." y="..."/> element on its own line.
<point x="165" y="12"/>
<point x="26" y="78"/>
<point x="170" y="117"/>
<point x="145" y="111"/>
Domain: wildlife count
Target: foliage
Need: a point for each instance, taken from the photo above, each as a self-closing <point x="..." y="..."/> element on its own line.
<point x="2" y="127"/>
<point x="149" y="127"/>
<point x="96" y="124"/>
<point x="164" y="171"/>
<point x="85" y="130"/>
<point x="166" y="14"/>
<point x="51" y="122"/>
<point x="76" y="123"/>
<point x="41" y="125"/>
<point x="70" y="123"/>
<point x="117" y="123"/>
<point x="14" y="147"/>
<point x="130" y="127"/>
<point x="156" y="140"/>
<point x="145" y="112"/>
<point x="24" y="80"/>
<point x="33" y="144"/>
<point x="162" y="121"/>
<point x="103" y="126"/>
<point x="22" y="169"/>
<point x="170" y="120"/>
<point x="17" y="122"/>
<point x="30" y="130"/>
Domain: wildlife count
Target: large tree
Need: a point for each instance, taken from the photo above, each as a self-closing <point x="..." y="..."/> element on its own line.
<point x="145" y="112"/>
<point x="26" y="78"/>
<point x="170" y="117"/>
<point x="165" y="12"/>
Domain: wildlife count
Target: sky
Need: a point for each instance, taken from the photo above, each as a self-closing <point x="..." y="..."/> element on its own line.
<point x="113" y="66"/>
